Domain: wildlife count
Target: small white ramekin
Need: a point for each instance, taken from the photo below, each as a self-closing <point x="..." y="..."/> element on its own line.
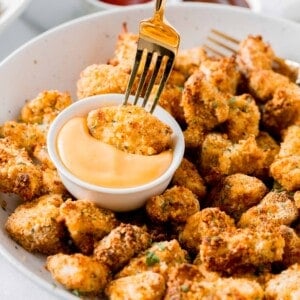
<point x="116" y="199"/>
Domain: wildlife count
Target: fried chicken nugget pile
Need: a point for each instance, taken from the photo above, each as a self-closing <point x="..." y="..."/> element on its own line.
<point x="226" y="228"/>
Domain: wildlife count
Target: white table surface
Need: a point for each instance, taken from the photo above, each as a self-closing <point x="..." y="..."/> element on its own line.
<point x="39" y="16"/>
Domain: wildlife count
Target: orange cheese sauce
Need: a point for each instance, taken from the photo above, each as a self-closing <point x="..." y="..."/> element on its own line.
<point x="101" y="164"/>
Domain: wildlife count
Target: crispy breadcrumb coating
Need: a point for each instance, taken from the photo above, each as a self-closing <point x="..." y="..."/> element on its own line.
<point x="276" y="208"/>
<point x="283" y="109"/>
<point x="146" y="285"/>
<point x="222" y="72"/>
<point x="188" y="176"/>
<point x="45" y="107"/>
<point x="203" y="104"/>
<point x="18" y="174"/>
<point x="130" y="128"/>
<point x="254" y="53"/>
<point x="78" y="273"/>
<point x="121" y="244"/>
<point x="176" y="204"/>
<point x="187" y="61"/>
<point x="264" y="83"/>
<point x="291" y="143"/>
<point x="186" y="282"/>
<point x="208" y="222"/>
<point x="26" y="136"/>
<point x="34" y="225"/>
<point x="102" y="79"/>
<point x="236" y="193"/>
<point x="231" y="250"/>
<point x="291" y="253"/>
<point x="51" y="183"/>
<point x="243" y="119"/>
<point x="285" y="285"/>
<point x="159" y="258"/>
<point x="86" y="223"/>
<point x="220" y="157"/>
<point x="41" y="155"/>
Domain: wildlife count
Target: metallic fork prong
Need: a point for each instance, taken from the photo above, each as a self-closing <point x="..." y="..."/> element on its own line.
<point x="146" y="67"/>
<point x="137" y="62"/>
<point x="224" y="40"/>
<point x="160" y="38"/>
<point x="164" y="78"/>
<point x="152" y="80"/>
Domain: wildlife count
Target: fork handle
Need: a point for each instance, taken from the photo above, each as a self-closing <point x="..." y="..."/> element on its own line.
<point x="160" y="8"/>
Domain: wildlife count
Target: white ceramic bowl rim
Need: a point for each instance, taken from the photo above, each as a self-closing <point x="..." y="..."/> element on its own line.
<point x="71" y="111"/>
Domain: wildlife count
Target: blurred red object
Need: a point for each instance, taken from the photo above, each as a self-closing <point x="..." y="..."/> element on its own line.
<point x="125" y="2"/>
<point x="242" y="3"/>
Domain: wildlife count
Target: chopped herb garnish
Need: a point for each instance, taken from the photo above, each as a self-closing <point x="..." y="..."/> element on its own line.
<point x="151" y="258"/>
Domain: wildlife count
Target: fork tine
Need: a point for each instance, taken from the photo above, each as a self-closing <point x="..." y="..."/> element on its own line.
<point x="163" y="81"/>
<point x="143" y="76"/>
<point x="152" y="79"/>
<point x="225" y="36"/>
<point x="134" y="71"/>
<point x="221" y="44"/>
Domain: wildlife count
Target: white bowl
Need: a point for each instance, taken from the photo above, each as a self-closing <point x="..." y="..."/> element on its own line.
<point x="116" y="199"/>
<point x="55" y="59"/>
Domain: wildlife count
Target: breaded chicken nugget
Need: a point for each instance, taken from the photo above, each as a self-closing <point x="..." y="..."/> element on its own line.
<point x="254" y="53"/>
<point x="86" y="222"/>
<point x="130" y="128"/>
<point x="78" y="273"/>
<point x="291" y="142"/>
<point x="291" y="253"/>
<point x="188" y="176"/>
<point x="146" y="285"/>
<point x="243" y="119"/>
<point x="262" y="84"/>
<point x="276" y="208"/>
<point x="34" y="225"/>
<point x="26" y="136"/>
<point x="102" y="79"/>
<point x="207" y="222"/>
<point x="121" y="244"/>
<point x="51" y="183"/>
<point x="222" y="72"/>
<point x="286" y="171"/>
<point x="45" y="107"/>
<point x="203" y="104"/>
<point x="231" y="250"/>
<point x="236" y="193"/>
<point x="285" y="285"/>
<point x="283" y="109"/>
<point x="18" y="174"/>
<point x="125" y="49"/>
<point x="187" y="283"/>
<point x="41" y="155"/>
<point x="220" y="157"/>
<point x="270" y="148"/>
<point x="170" y="100"/>
<point x="174" y="205"/>
<point x="159" y="258"/>
<point x="187" y="61"/>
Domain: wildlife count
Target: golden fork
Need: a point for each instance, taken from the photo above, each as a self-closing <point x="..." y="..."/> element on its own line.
<point x="157" y="46"/>
<point x="226" y="42"/>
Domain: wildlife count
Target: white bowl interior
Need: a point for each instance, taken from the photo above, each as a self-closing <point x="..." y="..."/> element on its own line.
<point x="55" y="59"/>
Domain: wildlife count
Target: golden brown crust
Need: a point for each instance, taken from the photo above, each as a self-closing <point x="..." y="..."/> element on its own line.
<point x="45" y="107"/>
<point x="35" y="227"/>
<point x="121" y="244"/>
<point x="174" y="205"/>
<point x="130" y="128"/>
<point x="142" y="286"/>
<point x="188" y="176"/>
<point x="86" y="223"/>
<point x="78" y="273"/>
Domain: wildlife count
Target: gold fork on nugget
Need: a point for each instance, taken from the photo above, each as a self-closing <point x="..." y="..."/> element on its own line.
<point x="220" y="42"/>
<point x="157" y="47"/>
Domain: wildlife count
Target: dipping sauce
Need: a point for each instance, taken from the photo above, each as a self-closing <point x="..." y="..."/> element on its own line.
<point x="101" y="164"/>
